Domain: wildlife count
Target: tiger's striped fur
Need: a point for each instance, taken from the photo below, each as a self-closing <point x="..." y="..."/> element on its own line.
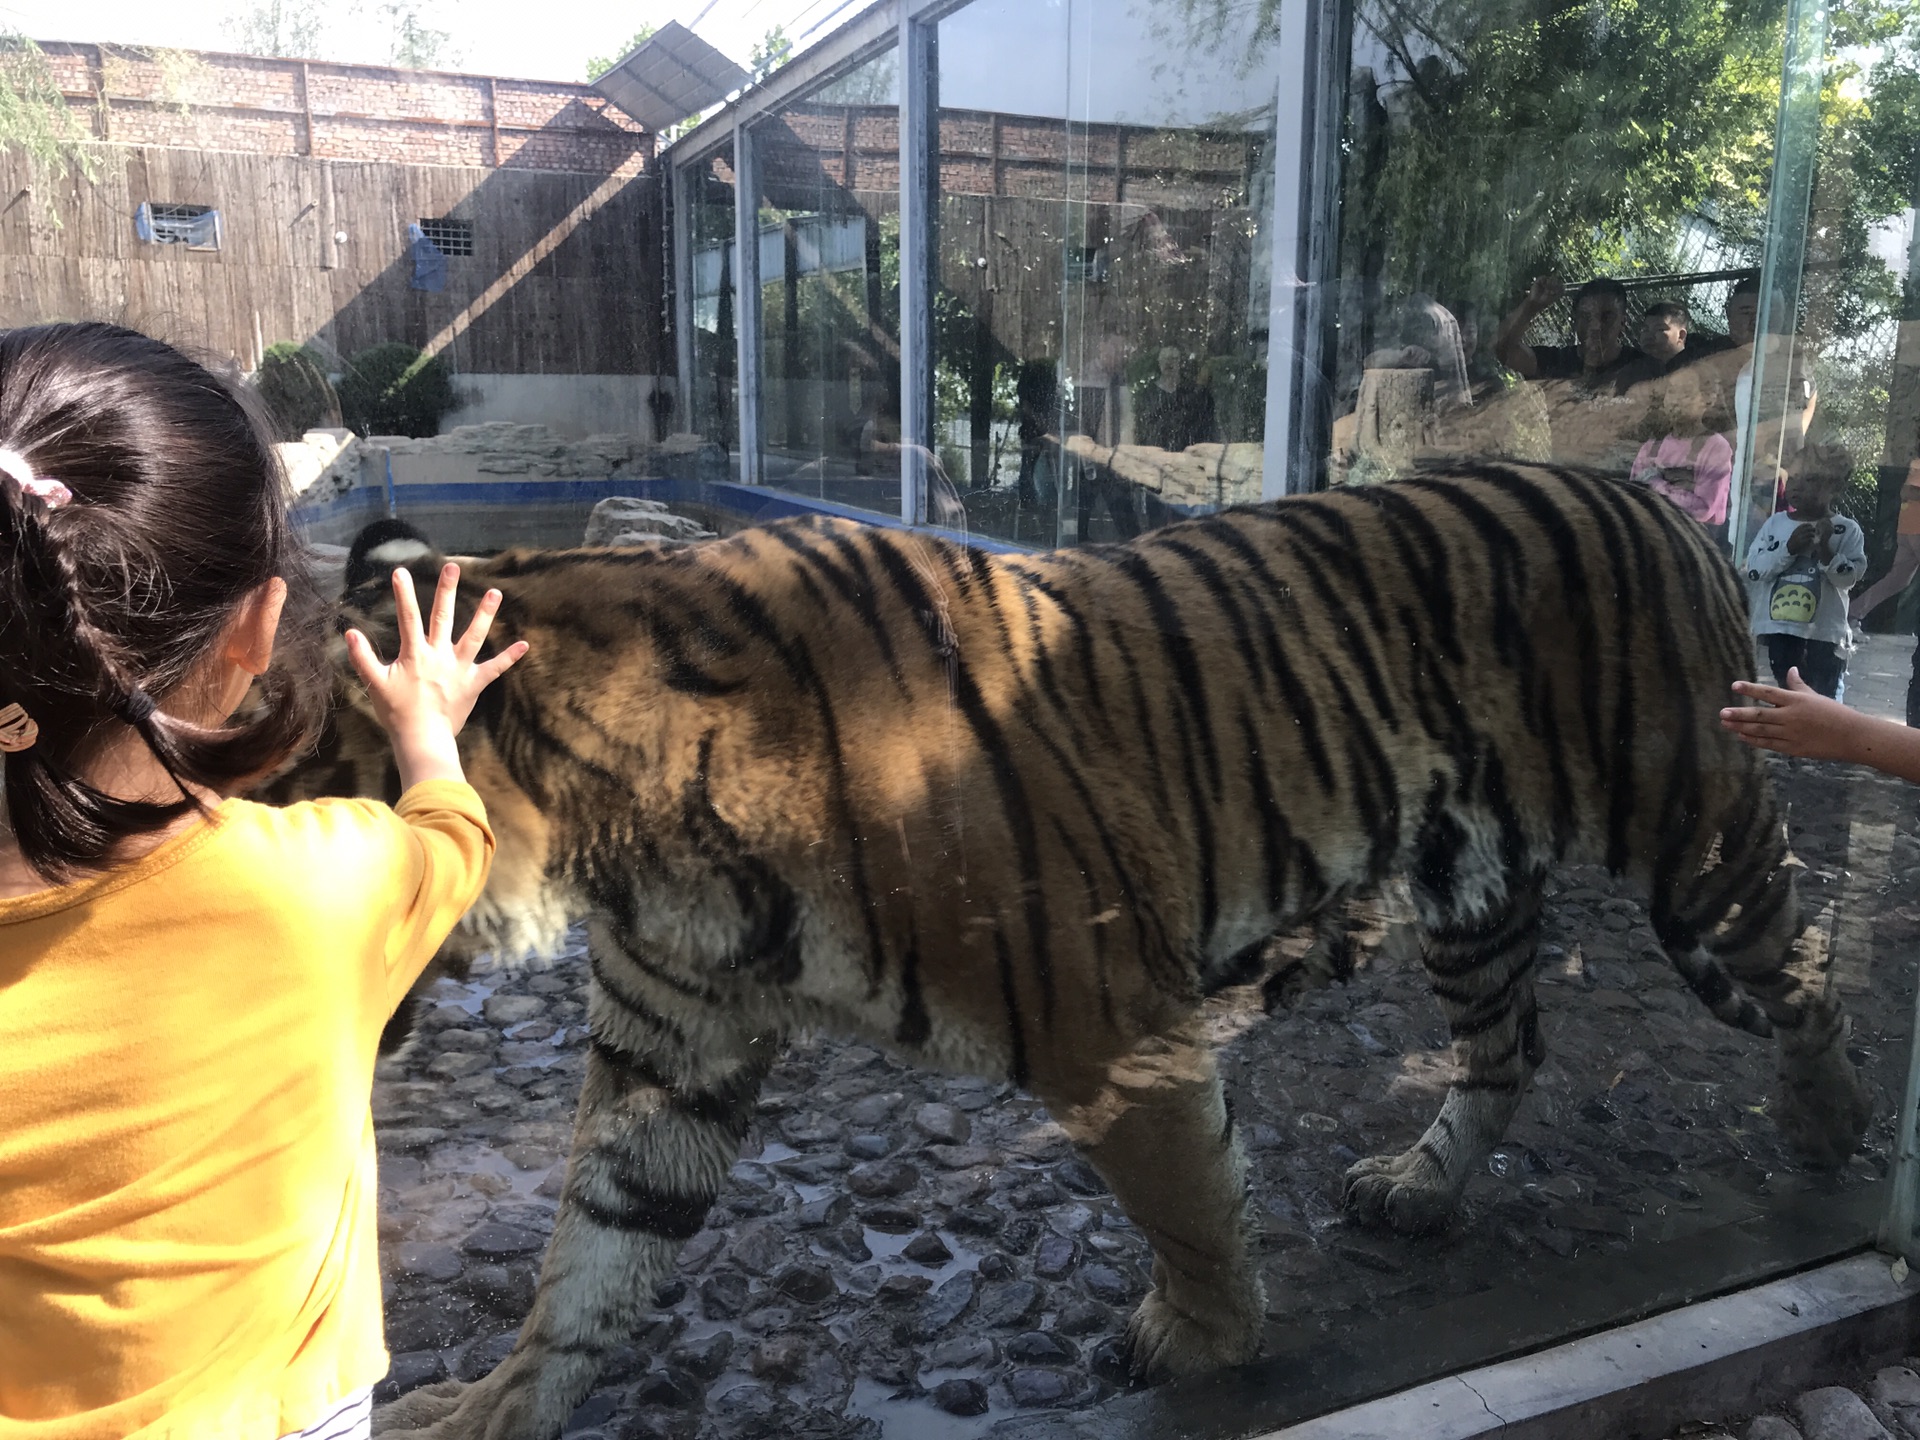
<point x="1018" y="815"/>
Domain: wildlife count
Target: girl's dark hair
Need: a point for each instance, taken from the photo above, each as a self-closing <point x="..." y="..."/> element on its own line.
<point x="110" y="603"/>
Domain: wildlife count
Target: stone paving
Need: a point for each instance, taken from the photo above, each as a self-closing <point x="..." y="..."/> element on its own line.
<point x="904" y="1254"/>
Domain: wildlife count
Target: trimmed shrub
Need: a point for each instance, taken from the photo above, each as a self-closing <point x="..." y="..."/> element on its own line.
<point x="390" y="390"/>
<point x="293" y="385"/>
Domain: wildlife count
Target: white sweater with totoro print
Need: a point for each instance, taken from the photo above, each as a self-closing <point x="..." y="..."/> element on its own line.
<point x="1797" y="595"/>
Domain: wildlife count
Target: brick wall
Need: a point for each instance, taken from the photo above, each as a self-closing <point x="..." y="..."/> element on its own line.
<point x="200" y="100"/>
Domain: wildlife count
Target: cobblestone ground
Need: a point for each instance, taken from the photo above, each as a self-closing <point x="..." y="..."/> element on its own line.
<point x="904" y="1254"/>
<point x="1882" y="1406"/>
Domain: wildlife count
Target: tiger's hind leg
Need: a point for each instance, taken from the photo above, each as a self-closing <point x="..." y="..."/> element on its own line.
<point x="1480" y="964"/>
<point x="1154" y="1123"/>
<point x="663" y="1110"/>
<point x="1737" y="924"/>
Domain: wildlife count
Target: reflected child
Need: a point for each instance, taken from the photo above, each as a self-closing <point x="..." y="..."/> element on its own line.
<point x="1799" y="568"/>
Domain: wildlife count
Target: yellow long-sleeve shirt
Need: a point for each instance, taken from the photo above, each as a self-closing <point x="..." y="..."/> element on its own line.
<point x="187" y="1184"/>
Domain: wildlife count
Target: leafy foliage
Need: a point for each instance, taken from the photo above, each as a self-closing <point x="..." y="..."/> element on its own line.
<point x="770" y="52"/>
<point x="598" y="65"/>
<point x="35" y="119"/>
<point x="292" y="381"/>
<point x="412" y="43"/>
<point x="393" y="389"/>
<point x="275" y="27"/>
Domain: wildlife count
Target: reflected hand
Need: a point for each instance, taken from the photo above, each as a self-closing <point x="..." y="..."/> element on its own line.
<point x="1544" y="291"/>
<point x="1796" y="721"/>
<point x="1801" y="540"/>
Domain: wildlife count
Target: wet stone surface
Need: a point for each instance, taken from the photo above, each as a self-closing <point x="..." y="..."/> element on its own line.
<point x="904" y="1254"/>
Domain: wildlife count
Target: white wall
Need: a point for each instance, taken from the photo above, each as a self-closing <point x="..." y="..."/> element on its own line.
<point x="572" y="406"/>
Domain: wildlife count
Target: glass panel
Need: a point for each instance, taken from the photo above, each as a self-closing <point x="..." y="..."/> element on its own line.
<point x="1100" y="321"/>
<point x="715" y="389"/>
<point x="829" y="175"/>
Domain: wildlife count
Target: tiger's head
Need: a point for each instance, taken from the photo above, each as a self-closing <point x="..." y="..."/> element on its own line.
<point x="521" y="917"/>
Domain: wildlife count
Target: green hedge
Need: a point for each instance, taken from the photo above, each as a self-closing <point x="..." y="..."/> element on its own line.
<point x="391" y="390"/>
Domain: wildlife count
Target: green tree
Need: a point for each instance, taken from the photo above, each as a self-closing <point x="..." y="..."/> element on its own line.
<point x="598" y="65"/>
<point x="412" y="43"/>
<point x="35" y="119"/>
<point x="275" y="27"/>
<point x="770" y="52"/>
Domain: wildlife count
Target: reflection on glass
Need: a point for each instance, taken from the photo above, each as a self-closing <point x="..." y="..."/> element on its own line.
<point x="714" y="390"/>
<point x="829" y="174"/>
<point x="1100" y="316"/>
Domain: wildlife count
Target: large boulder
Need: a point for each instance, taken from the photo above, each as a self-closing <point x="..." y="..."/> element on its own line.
<point x="626" y="520"/>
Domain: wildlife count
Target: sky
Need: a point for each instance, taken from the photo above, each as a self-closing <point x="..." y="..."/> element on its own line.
<point x="491" y="37"/>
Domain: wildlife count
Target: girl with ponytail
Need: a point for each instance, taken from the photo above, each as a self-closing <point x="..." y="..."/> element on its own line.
<point x="192" y="986"/>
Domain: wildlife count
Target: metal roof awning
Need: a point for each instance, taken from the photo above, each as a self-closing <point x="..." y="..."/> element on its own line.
<point x="673" y="75"/>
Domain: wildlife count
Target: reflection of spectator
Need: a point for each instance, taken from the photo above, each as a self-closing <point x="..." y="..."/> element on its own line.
<point x="1800" y="567"/>
<point x="1665" y="332"/>
<point x="1172" y="412"/>
<point x="1600" y="353"/>
<point x="1036" y="398"/>
<point x="1743" y="312"/>
<point x="1906" y="555"/>
<point x="1691" y="463"/>
<point x="1430" y="339"/>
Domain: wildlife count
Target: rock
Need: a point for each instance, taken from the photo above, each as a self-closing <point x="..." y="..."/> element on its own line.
<point x="723" y="1295"/>
<point x="899" y="1289"/>
<point x="480" y="1041"/>
<point x="1103" y="1282"/>
<point x="759" y="1247"/>
<point x="962" y="1353"/>
<point x="1011" y="1304"/>
<point x="811" y="1169"/>
<point x="507" y="1290"/>
<point x="783" y="1357"/>
<point x="890" y="1219"/>
<point x="670" y="1294"/>
<point x="430" y="1324"/>
<point x="706" y="1357"/>
<point x="1897" y="1386"/>
<point x="1031" y="1389"/>
<point x="410" y="1372"/>
<point x="943" y="1123"/>
<point x="590" y="1412"/>
<point x="927" y="1248"/>
<point x="821" y="1213"/>
<point x="872" y="1111"/>
<point x="497" y="1241"/>
<point x="483" y="1355"/>
<point x="700" y="1249"/>
<point x="1080" y="1177"/>
<point x="667" y="1386"/>
<point x="882" y="1179"/>
<point x="1055" y="1257"/>
<point x="428" y="1261"/>
<point x="850" y="1241"/>
<point x="960" y="1397"/>
<point x="807" y="1284"/>
<point x="960" y="1157"/>
<point x="410" y="1137"/>
<point x="1083" y="1317"/>
<point x="1771" y="1427"/>
<point x="868" y="1147"/>
<point x="627" y="520"/>
<point x="975" y="1220"/>
<point x="1040" y="1195"/>
<point x="945" y="1305"/>
<point x="1041" y="1347"/>
<point x="458" y="1064"/>
<point x="1836" y="1413"/>
<point x="995" y="1267"/>
<point x="505" y="1010"/>
<point x="1108" y="1360"/>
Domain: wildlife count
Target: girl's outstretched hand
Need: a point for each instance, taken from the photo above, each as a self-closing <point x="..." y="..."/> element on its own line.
<point x="426" y="694"/>
<point x="1797" y="721"/>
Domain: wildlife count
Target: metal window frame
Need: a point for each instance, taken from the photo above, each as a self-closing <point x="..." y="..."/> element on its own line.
<point x="1309" y="97"/>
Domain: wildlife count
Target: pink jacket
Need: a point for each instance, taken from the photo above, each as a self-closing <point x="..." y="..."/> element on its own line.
<point x="1709" y="457"/>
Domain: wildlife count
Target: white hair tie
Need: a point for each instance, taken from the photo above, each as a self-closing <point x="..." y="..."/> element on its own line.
<point x="43" y="487"/>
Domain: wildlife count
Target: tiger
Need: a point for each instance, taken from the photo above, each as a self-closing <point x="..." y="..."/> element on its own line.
<point x="1019" y="815"/>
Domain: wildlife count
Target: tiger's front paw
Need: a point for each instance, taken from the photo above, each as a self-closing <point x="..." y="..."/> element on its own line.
<point x="417" y="1413"/>
<point x="1165" y="1342"/>
<point x="1407" y="1193"/>
<point x="1822" y="1109"/>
